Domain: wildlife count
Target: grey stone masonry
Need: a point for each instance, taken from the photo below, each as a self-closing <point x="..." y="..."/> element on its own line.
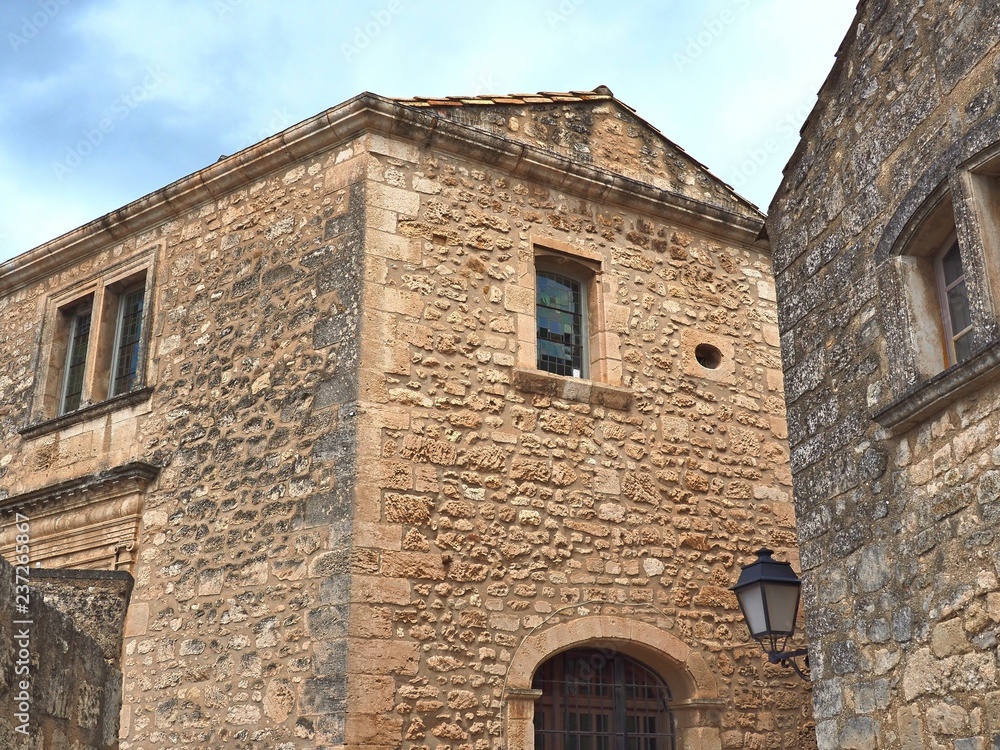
<point x="892" y="433"/>
<point x="57" y="690"/>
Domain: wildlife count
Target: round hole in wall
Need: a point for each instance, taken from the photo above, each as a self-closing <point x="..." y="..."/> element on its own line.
<point x="708" y="356"/>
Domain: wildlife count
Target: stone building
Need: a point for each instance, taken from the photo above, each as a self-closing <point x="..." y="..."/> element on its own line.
<point x="72" y="699"/>
<point x="893" y="390"/>
<point x="421" y="423"/>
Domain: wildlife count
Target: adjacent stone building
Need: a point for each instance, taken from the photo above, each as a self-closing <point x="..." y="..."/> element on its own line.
<point x="60" y="677"/>
<point x="423" y="423"/>
<point x="886" y="236"/>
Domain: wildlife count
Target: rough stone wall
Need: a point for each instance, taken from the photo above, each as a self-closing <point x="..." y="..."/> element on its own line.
<point x="486" y="512"/>
<point x="234" y="635"/>
<point x="75" y="694"/>
<point x="605" y="134"/>
<point x="897" y="525"/>
<point x="96" y="601"/>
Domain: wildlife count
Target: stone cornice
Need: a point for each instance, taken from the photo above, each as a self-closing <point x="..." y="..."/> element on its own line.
<point x="138" y="473"/>
<point x="368" y="113"/>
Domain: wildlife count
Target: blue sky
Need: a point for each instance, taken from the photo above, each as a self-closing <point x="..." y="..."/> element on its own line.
<point x="107" y="100"/>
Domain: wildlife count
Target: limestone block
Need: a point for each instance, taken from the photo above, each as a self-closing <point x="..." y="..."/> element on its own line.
<point x="858" y="733"/>
<point x="409" y="509"/>
<point x="375" y="730"/>
<point x="393" y="246"/>
<point x="381" y="220"/>
<point x="949" y="638"/>
<point x="376" y="693"/>
<point x="421" y="450"/>
<point x="380" y="590"/>
<point x="382" y="657"/>
<point x="947" y="719"/>
<point x="606" y="482"/>
<point x="279" y="700"/>
<point x="378" y="535"/>
<point x="911" y="736"/>
<point x="519" y="299"/>
<point x="398" y="200"/>
<point x="413" y="565"/>
<point x="393" y="148"/>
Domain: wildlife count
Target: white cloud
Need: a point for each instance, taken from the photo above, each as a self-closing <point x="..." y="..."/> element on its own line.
<point x="235" y="71"/>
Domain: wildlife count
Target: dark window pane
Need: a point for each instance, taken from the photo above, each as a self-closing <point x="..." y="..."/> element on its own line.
<point x="958" y="308"/>
<point x="76" y="360"/>
<point x="951" y="264"/>
<point x="126" y="362"/>
<point x="963" y="347"/>
<point x="559" y="314"/>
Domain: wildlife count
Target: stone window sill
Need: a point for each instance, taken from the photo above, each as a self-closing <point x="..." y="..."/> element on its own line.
<point x="572" y="389"/>
<point x="87" y="412"/>
<point x="941" y="391"/>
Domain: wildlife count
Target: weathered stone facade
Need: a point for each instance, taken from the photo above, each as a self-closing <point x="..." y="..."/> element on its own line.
<point x="893" y="438"/>
<point x="58" y="687"/>
<point x="366" y="517"/>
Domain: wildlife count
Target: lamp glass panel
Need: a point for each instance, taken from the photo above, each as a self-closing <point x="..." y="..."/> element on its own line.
<point x="752" y="601"/>
<point x="782" y="601"/>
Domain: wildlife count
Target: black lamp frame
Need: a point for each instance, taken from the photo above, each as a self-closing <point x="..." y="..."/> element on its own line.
<point x="764" y="570"/>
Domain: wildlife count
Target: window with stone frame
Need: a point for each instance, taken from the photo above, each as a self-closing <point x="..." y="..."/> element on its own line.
<point x="921" y="273"/>
<point x="561" y="319"/>
<point x="77" y="318"/>
<point x="953" y="298"/>
<point x="596" y="699"/>
<point x="128" y="338"/>
<point x="94" y="341"/>
<point x="568" y="336"/>
<point x="564" y="327"/>
<point x="940" y="300"/>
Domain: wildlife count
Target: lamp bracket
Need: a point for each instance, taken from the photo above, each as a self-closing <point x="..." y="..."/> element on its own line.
<point x="787" y="659"/>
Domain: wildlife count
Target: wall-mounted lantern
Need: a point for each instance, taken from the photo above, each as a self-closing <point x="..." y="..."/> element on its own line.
<point x="768" y="593"/>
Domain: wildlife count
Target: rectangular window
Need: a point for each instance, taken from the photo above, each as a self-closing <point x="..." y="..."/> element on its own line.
<point x="569" y="336"/>
<point x="94" y="340"/>
<point x="127" y="341"/>
<point x="560" y="306"/>
<point x="76" y="358"/>
<point x="954" y="304"/>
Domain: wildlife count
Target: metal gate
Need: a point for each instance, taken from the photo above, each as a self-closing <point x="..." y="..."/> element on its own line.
<point x="595" y="699"/>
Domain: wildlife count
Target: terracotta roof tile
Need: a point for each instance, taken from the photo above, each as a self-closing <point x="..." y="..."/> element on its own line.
<point x="542" y="97"/>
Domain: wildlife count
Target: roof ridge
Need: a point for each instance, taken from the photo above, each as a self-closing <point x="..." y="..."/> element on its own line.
<point x="541" y="97"/>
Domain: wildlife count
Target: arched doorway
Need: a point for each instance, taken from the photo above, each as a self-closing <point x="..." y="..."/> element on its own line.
<point x="694" y="690"/>
<point x="601" y="699"/>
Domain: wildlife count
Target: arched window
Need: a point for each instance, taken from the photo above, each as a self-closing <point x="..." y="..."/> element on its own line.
<point x="601" y="700"/>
